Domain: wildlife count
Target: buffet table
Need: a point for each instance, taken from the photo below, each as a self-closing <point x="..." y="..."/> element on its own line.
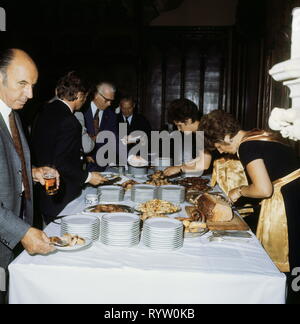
<point x="200" y="272"/>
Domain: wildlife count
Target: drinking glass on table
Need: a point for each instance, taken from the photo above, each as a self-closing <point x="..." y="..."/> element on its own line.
<point x="49" y="176"/>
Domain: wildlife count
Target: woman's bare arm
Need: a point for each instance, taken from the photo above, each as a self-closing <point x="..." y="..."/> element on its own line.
<point x="261" y="185"/>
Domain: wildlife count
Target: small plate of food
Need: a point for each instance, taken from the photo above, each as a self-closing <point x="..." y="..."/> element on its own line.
<point x="111" y="178"/>
<point x="128" y="185"/>
<point x="69" y="242"/>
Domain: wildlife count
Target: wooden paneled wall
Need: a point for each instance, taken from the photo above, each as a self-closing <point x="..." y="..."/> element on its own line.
<point x="216" y="67"/>
<point x="191" y="63"/>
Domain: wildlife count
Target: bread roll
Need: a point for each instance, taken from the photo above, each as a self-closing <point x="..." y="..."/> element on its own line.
<point x="73" y="241"/>
<point x="67" y="238"/>
<point x="80" y="241"/>
<point x="56" y="240"/>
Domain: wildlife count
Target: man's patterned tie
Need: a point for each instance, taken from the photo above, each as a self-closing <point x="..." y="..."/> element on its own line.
<point x="96" y="122"/>
<point x="18" y="146"/>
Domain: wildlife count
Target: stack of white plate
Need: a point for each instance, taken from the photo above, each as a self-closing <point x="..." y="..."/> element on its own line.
<point x="163" y="234"/>
<point x="120" y="229"/>
<point x="172" y="193"/>
<point x="86" y="226"/>
<point x="137" y="171"/>
<point x="111" y="194"/>
<point x="142" y="193"/>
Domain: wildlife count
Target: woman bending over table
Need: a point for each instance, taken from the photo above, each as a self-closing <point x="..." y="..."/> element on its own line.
<point x="274" y="176"/>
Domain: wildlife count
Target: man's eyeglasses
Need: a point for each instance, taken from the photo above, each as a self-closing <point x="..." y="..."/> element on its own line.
<point x="107" y="100"/>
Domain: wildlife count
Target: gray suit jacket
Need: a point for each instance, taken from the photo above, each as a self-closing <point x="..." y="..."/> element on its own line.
<point x="12" y="228"/>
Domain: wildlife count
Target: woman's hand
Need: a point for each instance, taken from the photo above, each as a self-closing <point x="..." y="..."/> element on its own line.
<point x="172" y="171"/>
<point x="235" y="194"/>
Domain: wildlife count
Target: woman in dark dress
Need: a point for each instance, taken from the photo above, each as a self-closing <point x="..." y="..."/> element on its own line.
<point x="274" y="173"/>
<point x="186" y="116"/>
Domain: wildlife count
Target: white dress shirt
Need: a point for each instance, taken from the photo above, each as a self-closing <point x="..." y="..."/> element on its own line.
<point x="5" y="111"/>
<point x="129" y="119"/>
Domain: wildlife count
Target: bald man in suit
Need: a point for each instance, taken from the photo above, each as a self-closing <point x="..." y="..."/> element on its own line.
<point x="18" y="75"/>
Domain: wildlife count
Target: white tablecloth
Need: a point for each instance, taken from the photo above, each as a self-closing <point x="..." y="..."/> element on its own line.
<point x="200" y="272"/>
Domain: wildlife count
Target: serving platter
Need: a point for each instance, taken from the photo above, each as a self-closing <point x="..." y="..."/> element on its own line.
<point x="111" y="180"/>
<point x="106" y="209"/>
<point x="179" y="209"/>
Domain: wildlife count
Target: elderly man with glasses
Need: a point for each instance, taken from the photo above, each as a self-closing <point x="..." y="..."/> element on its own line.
<point x="99" y="117"/>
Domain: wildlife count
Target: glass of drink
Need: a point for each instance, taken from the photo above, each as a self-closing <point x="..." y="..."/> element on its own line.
<point x="50" y="180"/>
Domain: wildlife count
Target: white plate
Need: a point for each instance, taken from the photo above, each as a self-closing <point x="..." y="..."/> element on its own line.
<point x="121" y="218"/>
<point x="82" y="228"/>
<point x="164" y="247"/>
<point x="87" y="227"/>
<point x="155" y="240"/>
<point x="121" y="238"/>
<point x="163" y="223"/>
<point x="80" y="233"/>
<point x="80" y="221"/>
<point x="120" y="245"/>
<point x="121" y="235"/>
<point x="120" y="228"/>
<point x="111" y="189"/>
<point x="109" y="175"/>
<point x="163" y="241"/>
<point x="120" y="242"/>
<point x="88" y="242"/>
<point x="117" y="240"/>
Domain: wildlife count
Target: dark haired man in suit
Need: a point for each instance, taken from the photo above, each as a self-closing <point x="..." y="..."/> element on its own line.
<point x="134" y="120"/>
<point x="57" y="140"/>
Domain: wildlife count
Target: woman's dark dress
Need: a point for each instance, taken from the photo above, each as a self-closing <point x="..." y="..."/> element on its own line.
<point x="280" y="161"/>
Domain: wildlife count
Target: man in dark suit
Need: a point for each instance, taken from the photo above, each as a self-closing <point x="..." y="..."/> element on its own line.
<point x="18" y="75"/>
<point x="134" y="120"/>
<point x="57" y="140"/>
<point x="100" y="117"/>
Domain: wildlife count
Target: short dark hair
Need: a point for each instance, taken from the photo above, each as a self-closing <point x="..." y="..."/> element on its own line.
<point x="181" y="110"/>
<point x="216" y="125"/>
<point x="127" y="98"/>
<point x="6" y="58"/>
<point x="70" y="85"/>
